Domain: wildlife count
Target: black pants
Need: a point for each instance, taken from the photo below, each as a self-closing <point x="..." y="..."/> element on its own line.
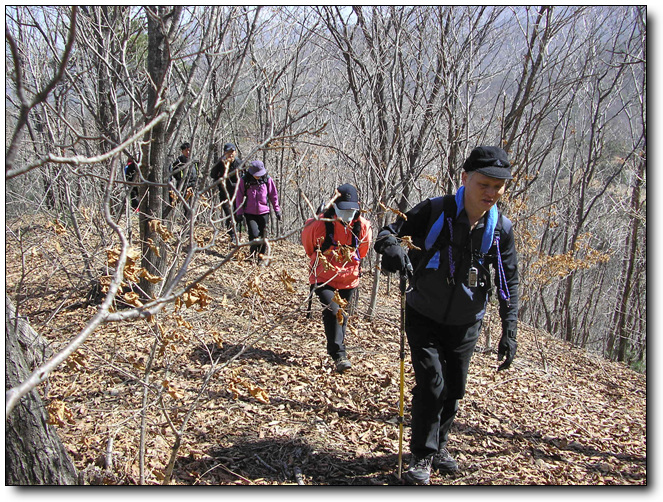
<point x="229" y="215"/>
<point x="134" y="198"/>
<point x="255" y="226"/>
<point x="228" y="212"/>
<point x="441" y="358"/>
<point x="334" y="331"/>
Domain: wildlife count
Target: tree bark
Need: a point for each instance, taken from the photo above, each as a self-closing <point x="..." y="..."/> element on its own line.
<point x="160" y="22"/>
<point x="620" y="337"/>
<point x="34" y="453"/>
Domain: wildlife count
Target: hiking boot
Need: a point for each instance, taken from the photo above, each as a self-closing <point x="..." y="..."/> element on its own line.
<point x="444" y="462"/>
<point x="342" y="364"/>
<point x="418" y="472"/>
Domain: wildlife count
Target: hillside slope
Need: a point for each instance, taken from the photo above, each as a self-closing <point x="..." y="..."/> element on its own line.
<point x="277" y="413"/>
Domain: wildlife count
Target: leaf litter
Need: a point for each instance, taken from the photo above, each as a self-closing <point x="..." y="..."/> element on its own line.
<point x="276" y="412"/>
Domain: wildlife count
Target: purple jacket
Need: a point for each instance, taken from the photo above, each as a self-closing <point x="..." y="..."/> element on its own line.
<point x="258" y="194"/>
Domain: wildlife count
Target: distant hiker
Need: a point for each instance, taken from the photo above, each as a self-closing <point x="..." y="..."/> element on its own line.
<point x="230" y="168"/>
<point x="335" y="250"/>
<point x="458" y="236"/>
<point x="183" y="169"/>
<point x="130" y="170"/>
<point x="255" y="191"/>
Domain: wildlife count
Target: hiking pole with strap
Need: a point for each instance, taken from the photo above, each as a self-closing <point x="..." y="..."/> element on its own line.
<point x="403" y="284"/>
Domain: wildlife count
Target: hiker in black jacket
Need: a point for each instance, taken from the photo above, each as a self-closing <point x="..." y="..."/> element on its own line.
<point x="231" y="168"/>
<point x="184" y="175"/>
<point x="130" y="171"/>
<point x="182" y="166"/>
<point x="458" y="236"/>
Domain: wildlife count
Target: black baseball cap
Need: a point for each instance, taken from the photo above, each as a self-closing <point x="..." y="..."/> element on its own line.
<point x="228" y="146"/>
<point x="348" y="198"/>
<point x="489" y="160"/>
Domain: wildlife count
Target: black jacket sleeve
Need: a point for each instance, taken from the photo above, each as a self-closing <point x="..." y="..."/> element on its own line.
<point x="415" y="225"/>
<point x="217" y="170"/>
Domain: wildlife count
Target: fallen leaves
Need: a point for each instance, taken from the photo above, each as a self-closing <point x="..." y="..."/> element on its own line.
<point x="253" y="287"/>
<point x="172" y="390"/>
<point x="279" y="407"/>
<point x="254" y="390"/>
<point x="59" y="414"/>
<point x="287" y="281"/>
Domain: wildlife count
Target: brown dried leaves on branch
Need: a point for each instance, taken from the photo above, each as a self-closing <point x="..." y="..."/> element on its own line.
<point x="396" y="211"/>
<point x="133" y="272"/>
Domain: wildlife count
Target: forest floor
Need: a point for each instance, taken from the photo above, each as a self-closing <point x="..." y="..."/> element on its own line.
<point x="248" y="383"/>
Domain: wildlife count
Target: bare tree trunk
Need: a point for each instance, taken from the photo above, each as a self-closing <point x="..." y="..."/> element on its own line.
<point x="160" y="23"/>
<point x="620" y="337"/>
<point x="34" y="454"/>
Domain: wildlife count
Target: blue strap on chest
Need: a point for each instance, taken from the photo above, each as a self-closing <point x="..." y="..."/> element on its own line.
<point x="436" y="228"/>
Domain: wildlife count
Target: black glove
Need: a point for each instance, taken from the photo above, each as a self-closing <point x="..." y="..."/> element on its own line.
<point x="395" y="259"/>
<point x="507" y="348"/>
<point x="278" y="216"/>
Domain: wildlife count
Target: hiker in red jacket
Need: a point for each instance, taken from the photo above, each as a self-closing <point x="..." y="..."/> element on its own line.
<point x="457" y="237"/>
<point x="335" y="250"/>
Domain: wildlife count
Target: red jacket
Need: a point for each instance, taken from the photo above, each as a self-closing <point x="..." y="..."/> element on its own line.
<point x="337" y="269"/>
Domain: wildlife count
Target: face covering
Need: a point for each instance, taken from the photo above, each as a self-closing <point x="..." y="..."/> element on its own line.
<point x="346" y="215"/>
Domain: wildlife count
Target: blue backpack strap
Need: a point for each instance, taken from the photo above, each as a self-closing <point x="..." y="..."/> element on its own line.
<point x="490" y="231"/>
<point x="451" y="207"/>
<point x="447" y="207"/>
<point x="437" y="212"/>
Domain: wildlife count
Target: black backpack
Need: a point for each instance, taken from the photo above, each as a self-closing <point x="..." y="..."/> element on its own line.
<point x="249" y="179"/>
<point x="329" y="232"/>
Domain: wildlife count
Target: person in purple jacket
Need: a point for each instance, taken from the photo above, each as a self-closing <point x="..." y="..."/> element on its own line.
<point x="255" y="191"/>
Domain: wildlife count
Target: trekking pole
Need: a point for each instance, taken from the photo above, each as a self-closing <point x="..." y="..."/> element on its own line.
<point x="310" y="301"/>
<point x="403" y="284"/>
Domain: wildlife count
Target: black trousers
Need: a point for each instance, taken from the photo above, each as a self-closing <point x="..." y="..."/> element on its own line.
<point x="228" y="209"/>
<point x="334" y="331"/>
<point x="135" y="202"/>
<point x="441" y="357"/>
<point x="255" y="226"/>
<point x="228" y="215"/>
